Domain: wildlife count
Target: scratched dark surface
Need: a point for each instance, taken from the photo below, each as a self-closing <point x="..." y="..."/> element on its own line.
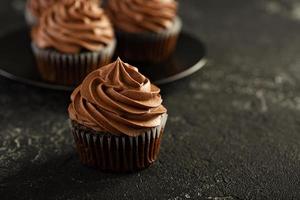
<point x="233" y="131"/>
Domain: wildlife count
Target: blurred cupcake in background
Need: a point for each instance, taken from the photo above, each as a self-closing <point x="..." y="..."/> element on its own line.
<point x="35" y="8"/>
<point x="147" y="30"/>
<point x="117" y="119"/>
<point x="73" y="38"/>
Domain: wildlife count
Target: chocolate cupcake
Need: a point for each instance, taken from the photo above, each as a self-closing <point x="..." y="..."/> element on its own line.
<point x="73" y="38"/>
<point x="147" y="30"/>
<point x="117" y="119"/>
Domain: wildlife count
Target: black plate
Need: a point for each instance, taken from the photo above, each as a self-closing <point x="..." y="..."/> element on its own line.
<point x="17" y="61"/>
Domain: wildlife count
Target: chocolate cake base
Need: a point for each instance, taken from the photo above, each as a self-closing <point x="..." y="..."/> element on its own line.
<point x="113" y="153"/>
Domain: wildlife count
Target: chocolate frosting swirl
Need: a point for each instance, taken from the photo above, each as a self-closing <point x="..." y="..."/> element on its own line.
<point x="117" y="99"/>
<point x="71" y="26"/>
<point x="142" y="15"/>
<point x="37" y="7"/>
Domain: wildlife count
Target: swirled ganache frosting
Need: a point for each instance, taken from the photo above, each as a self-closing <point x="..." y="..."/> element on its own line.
<point x="72" y="26"/>
<point x="137" y="16"/>
<point x="117" y="99"/>
<point x="38" y="6"/>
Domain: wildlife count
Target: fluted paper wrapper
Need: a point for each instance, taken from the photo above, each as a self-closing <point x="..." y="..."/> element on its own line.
<point x="113" y="153"/>
<point x="148" y="47"/>
<point x="70" y="69"/>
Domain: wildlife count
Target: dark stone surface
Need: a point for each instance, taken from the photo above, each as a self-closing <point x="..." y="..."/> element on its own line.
<point x="233" y="131"/>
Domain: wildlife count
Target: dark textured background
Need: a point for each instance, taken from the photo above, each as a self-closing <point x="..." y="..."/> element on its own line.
<point x="233" y="131"/>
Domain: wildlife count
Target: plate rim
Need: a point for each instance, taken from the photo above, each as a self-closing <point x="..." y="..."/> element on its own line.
<point x="40" y="84"/>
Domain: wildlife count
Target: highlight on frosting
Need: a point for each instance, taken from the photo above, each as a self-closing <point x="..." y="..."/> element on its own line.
<point x="71" y="26"/>
<point x="117" y="99"/>
<point x="142" y="15"/>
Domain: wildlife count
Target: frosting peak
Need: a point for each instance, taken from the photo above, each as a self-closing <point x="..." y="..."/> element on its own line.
<point x="117" y="99"/>
<point x="142" y="15"/>
<point x="71" y="26"/>
<point x="37" y="7"/>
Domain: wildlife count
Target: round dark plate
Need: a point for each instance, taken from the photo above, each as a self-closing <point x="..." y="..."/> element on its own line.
<point x="17" y="61"/>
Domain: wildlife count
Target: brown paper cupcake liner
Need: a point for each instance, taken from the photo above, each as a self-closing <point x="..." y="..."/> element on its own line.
<point x="113" y="153"/>
<point x="31" y="20"/>
<point x="148" y="47"/>
<point x="70" y="69"/>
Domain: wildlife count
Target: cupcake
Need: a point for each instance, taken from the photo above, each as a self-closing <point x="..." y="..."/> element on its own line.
<point x="117" y="119"/>
<point x="35" y="8"/>
<point x="147" y="30"/>
<point x="73" y="38"/>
